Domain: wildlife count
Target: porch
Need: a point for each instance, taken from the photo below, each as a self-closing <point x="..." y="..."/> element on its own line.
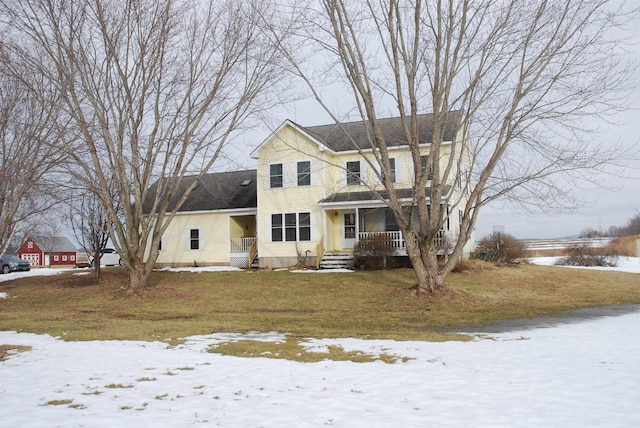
<point x="346" y="227"/>
<point x="242" y="251"/>
<point x="243" y="248"/>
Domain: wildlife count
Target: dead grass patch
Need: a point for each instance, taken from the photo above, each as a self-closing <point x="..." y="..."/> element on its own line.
<point x="8" y="350"/>
<point x="294" y="350"/>
<point x="361" y="304"/>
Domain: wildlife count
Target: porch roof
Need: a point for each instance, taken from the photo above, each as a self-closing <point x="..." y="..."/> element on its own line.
<point x="373" y="196"/>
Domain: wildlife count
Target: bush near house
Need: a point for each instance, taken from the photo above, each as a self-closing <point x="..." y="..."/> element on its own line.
<point x="374" y="252"/>
<point x="500" y="248"/>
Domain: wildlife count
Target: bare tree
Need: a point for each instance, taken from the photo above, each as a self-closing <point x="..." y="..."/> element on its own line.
<point x="89" y="225"/>
<point x="27" y="158"/>
<point x="151" y="91"/>
<point x="528" y="77"/>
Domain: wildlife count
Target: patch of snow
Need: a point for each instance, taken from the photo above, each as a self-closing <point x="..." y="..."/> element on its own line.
<point x="4" y="296"/>
<point x="204" y="269"/>
<point x="624" y="264"/>
<point x="572" y="375"/>
<point x="33" y="272"/>
<point x="336" y="270"/>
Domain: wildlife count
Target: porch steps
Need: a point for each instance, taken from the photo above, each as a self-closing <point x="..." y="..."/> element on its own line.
<point x="255" y="264"/>
<point x="336" y="261"/>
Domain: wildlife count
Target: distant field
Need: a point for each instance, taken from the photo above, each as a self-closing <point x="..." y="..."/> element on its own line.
<point x="360" y="304"/>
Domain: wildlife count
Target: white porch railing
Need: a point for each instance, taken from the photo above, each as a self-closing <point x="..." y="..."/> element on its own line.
<point x="241" y="245"/>
<point x="397" y="241"/>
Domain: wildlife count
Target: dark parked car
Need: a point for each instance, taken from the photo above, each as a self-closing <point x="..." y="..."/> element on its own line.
<point x="10" y="263"/>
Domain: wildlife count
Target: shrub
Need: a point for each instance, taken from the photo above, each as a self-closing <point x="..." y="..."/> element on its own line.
<point x="583" y="255"/>
<point x="374" y="252"/>
<point x="472" y="266"/>
<point x="499" y="247"/>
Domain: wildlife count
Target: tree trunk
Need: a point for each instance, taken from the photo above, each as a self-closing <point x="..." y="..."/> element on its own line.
<point x="425" y="266"/>
<point x="138" y="276"/>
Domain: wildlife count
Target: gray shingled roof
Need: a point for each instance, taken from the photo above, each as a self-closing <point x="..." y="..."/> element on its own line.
<point x="369" y="195"/>
<point x="54" y="244"/>
<point x="216" y="191"/>
<point x="349" y="136"/>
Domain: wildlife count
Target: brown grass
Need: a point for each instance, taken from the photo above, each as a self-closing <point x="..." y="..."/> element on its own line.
<point x="362" y="304"/>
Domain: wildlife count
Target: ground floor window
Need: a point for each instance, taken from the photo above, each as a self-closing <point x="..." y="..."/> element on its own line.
<point x="295" y="227"/>
<point x="194" y="239"/>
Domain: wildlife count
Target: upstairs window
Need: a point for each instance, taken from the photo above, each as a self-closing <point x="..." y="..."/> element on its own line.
<point x="275" y="175"/>
<point x="304" y="173"/>
<point x="353" y="173"/>
<point x="392" y="162"/>
<point x="424" y="161"/>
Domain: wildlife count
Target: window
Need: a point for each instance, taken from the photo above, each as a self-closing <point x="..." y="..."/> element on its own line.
<point x="275" y="177"/>
<point x="296" y="227"/>
<point x="304" y="226"/>
<point x="290" y="227"/>
<point x="72" y="257"/>
<point x="392" y="162"/>
<point x="424" y="160"/>
<point x="353" y="173"/>
<point x="276" y="227"/>
<point x="56" y="258"/>
<point x="194" y="239"/>
<point x="304" y="173"/>
<point x="349" y="226"/>
<point x="64" y="258"/>
<point x="30" y="244"/>
<point x="160" y="245"/>
<point x="390" y="223"/>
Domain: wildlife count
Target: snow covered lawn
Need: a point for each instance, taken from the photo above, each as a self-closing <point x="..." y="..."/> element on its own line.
<point x="573" y="375"/>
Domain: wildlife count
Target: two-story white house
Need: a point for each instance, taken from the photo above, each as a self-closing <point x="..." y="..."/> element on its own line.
<point x="313" y="193"/>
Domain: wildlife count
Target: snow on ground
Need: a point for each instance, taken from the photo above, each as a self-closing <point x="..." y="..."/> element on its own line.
<point x="572" y="375"/>
<point x="624" y="264"/>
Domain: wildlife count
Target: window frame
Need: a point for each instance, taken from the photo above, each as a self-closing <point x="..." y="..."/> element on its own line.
<point x="424" y="160"/>
<point x="304" y="175"/>
<point x="277" y="227"/>
<point x="194" y="240"/>
<point x="276" y="180"/>
<point x="354" y="178"/>
<point x="304" y="228"/>
<point x="290" y="227"/>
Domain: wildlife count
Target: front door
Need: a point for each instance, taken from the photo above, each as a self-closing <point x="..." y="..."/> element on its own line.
<point x="348" y="229"/>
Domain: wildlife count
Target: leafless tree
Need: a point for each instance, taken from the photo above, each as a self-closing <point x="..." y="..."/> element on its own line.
<point x="27" y="158"/>
<point x="151" y="91"/>
<point x="530" y="78"/>
<point x="89" y="225"/>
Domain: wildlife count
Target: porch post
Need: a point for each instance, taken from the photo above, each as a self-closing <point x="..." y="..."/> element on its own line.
<point x="324" y="227"/>
<point x="357" y="225"/>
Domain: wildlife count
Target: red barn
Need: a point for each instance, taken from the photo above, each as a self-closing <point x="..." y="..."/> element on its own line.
<point x="48" y="251"/>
